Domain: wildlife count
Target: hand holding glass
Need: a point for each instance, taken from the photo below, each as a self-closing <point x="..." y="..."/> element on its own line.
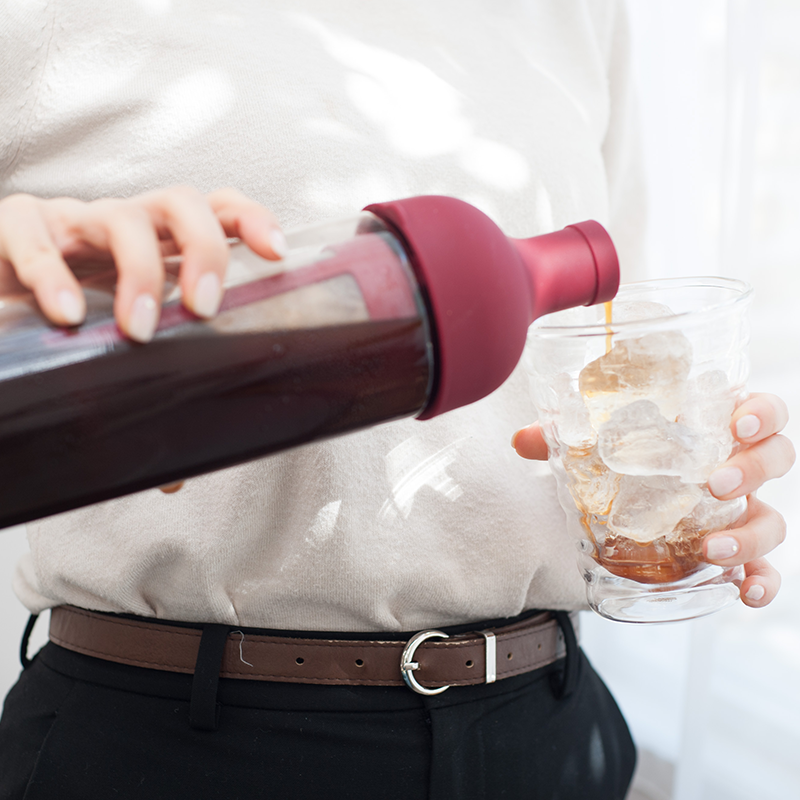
<point x="636" y="412"/>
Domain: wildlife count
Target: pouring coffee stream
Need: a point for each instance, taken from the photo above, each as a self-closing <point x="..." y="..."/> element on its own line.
<point x="413" y="308"/>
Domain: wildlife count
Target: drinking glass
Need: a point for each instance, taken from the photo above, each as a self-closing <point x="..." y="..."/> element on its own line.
<point x="635" y="406"/>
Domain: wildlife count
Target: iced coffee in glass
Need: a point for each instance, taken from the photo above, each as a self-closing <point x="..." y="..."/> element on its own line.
<point x="635" y="401"/>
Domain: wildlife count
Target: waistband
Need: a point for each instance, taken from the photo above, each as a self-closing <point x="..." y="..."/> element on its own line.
<point x="429" y="661"/>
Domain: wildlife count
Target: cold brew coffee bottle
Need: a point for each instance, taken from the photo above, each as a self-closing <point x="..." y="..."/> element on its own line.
<point x="412" y="308"/>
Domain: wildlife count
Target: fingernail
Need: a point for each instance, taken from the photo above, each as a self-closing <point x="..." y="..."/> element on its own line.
<point x="144" y="318"/>
<point x="514" y="439"/>
<point x="207" y="295"/>
<point x="72" y="307"/>
<point x="720" y="548"/>
<point x="724" y="481"/>
<point x="756" y="592"/>
<point x="747" y="426"/>
<point x="278" y="243"/>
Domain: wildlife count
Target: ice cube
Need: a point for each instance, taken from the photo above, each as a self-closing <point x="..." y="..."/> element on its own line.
<point x="637" y="440"/>
<point x="636" y="310"/>
<point x="654" y="367"/>
<point x="646" y="508"/>
<point x="710" y="401"/>
<point x="574" y="428"/>
<point x="592" y="484"/>
<point x="708" y="516"/>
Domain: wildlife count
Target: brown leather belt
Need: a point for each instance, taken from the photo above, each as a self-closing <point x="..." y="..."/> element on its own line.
<point x="429" y="662"/>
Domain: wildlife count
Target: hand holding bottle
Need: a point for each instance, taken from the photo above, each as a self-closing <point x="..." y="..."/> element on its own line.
<point x="42" y="239"/>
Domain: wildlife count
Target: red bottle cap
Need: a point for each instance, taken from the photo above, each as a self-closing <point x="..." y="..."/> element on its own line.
<point x="484" y="289"/>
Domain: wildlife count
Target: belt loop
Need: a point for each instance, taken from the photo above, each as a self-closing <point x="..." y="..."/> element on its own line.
<point x="204" y="709"/>
<point x="23" y="647"/>
<point x="569" y="677"/>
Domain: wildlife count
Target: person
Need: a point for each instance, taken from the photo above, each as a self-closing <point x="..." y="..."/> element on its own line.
<point x="312" y="110"/>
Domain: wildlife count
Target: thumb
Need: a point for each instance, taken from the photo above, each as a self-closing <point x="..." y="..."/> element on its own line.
<point x="529" y="442"/>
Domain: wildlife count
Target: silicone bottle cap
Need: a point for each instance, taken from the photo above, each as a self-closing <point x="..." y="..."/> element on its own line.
<point x="483" y="289"/>
<point x="576" y="266"/>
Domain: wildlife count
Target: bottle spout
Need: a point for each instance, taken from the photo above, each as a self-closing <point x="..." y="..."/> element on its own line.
<point x="576" y="266"/>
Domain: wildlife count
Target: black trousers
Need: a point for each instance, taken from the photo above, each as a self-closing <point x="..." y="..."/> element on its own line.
<point x="79" y="727"/>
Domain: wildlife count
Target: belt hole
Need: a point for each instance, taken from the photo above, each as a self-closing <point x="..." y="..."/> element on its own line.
<point x="299" y="660"/>
<point x="359" y="662"/>
<point x="539" y="646"/>
<point x="510" y="656"/>
<point x="469" y="664"/>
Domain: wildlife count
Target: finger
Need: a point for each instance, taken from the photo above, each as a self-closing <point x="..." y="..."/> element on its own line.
<point x="171" y="488"/>
<point x="197" y="232"/>
<point x="126" y="230"/>
<point x="763" y="530"/>
<point x="758" y="417"/>
<point x="761" y="584"/>
<point x="26" y="243"/>
<point x="249" y="221"/>
<point x="529" y="443"/>
<point x="744" y="472"/>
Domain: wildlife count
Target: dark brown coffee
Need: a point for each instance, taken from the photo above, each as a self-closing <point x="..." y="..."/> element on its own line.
<point x="147" y="415"/>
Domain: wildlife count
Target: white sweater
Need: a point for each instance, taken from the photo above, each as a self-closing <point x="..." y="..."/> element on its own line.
<point x="317" y="108"/>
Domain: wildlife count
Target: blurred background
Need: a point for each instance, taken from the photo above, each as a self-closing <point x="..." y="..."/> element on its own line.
<point x="713" y="704"/>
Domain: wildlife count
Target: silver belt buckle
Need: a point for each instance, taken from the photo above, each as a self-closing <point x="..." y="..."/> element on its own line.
<point x="408" y="665"/>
